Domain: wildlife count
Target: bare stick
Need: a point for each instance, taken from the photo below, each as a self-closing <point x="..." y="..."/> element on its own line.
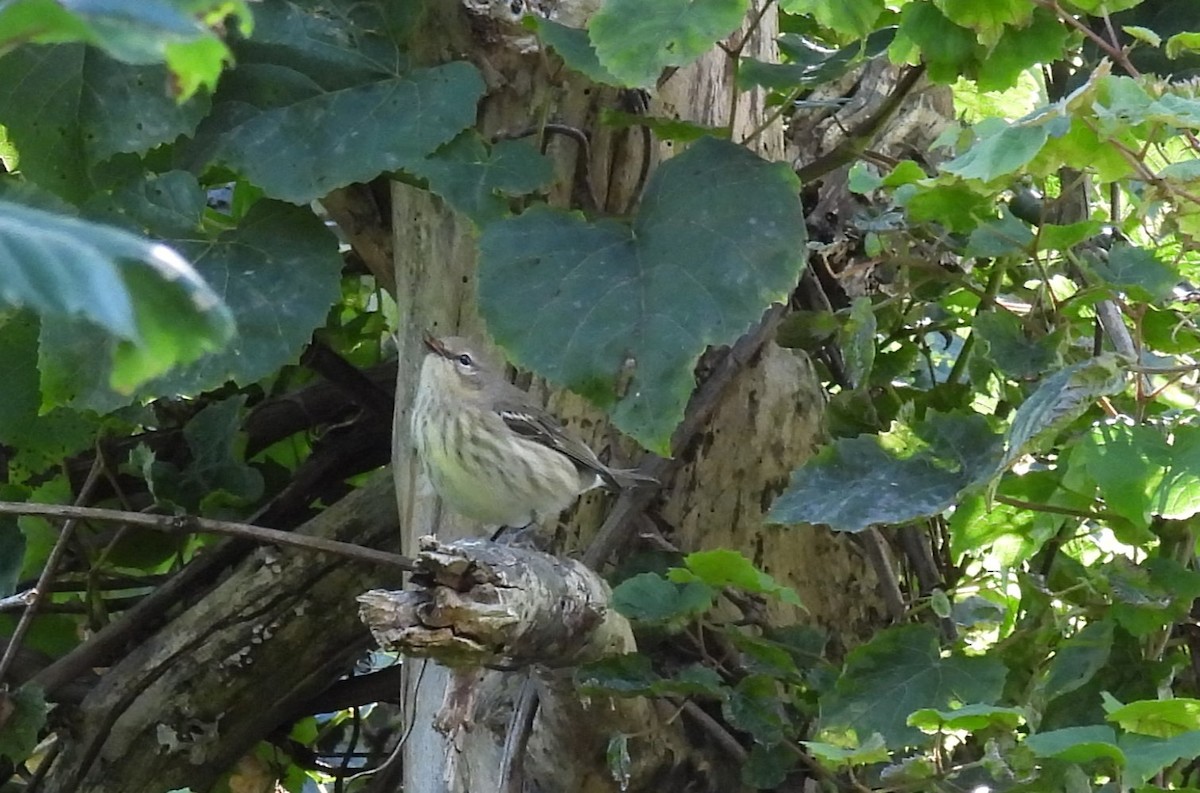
<point x="190" y="524"/>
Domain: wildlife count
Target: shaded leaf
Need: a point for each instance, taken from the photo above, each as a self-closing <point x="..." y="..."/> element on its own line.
<point x="575" y="48"/>
<point x="24" y="714"/>
<point x="900" y="671"/>
<point x="278" y="271"/>
<point x="1146" y="756"/>
<point x="1013" y="351"/>
<point x="717" y="238"/>
<point x="1136" y="270"/>
<point x="649" y="597"/>
<point x="856" y="483"/>
<point x="477" y="179"/>
<point x="68" y="108"/>
<point x="1078" y="659"/>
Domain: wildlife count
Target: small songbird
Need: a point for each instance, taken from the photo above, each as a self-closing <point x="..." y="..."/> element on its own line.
<point x="490" y="453"/>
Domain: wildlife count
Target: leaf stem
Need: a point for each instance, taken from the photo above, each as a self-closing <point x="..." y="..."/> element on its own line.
<point x="995" y="280"/>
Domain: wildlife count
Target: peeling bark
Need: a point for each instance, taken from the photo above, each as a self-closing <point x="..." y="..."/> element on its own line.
<point x="475" y="603"/>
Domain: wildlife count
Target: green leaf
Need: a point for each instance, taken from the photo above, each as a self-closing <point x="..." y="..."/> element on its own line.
<point x="851" y="18"/>
<point x="1060" y="399"/>
<point x="1161" y="718"/>
<point x="24" y="716"/>
<point x="948" y="49"/>
<point x="811" y="65"/>
<point x="858" y="341"/>
<point x="1182" y="43"/>
<point x="216" y="473"/>
<point x="38" y="438"/>
<point x="1077" y="744"/>
<point x="1005" y="342"/>
<point x="856" y="483"/>
<point x="278" y="271"/>
<point x="649" y="597"/>
<point x="1144" y="35"/>
<point x="637" y="40"/>
<point x="1142" y="472"/>
<point x="721" y="567"/>
<point x="715" y="241"/>
<point x="767" y="767"/>
<point x="68" y="108"/>
<point x="1146" y="756"/>
<point x="477" y="180"/>
<point x="755" y="706"/>
<point x="1000" y="153"/>
<point x="1136" y="270"/>
<point x="1004" y="237"/>
<point x="969" y="718"/>
<point x="872" y="750"/>
<point x="89" y="275"/>
<point x="988" y="20"/>
<point x="900" y="671"/>
<point x="1078" y="659"/>
<point x="12" y="554"/>
<point x="575" y="48"/>
<point x="299" y="149"/>
<point x="633" y="675"/>
<point x="1020" y="48"/>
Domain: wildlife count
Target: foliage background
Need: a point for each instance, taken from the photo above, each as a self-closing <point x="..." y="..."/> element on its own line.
<point x="1015" y="384"/>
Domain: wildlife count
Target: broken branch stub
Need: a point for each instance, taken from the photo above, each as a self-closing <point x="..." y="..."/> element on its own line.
<point x="478" y="603"/>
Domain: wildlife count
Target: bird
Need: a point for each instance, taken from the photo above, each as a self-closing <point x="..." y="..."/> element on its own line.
<point x="490" y="453"/>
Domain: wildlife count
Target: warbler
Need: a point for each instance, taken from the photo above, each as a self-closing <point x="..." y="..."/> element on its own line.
<point x="490" y="453"/>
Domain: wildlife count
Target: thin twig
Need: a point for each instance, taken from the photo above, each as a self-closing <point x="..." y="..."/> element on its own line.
<point x="617" y="528"/>
<point x="885" y="570"/>
<point x="190" y="524"/>
<point x="516" y="742"/>
<point x="1097" y="515"/>
<point x="43" y="586"/>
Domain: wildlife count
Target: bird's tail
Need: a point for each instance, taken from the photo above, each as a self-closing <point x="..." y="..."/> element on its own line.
<point x="625" y="478"/>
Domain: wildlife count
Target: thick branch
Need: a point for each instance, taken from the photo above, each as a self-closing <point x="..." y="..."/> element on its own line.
<point x="478" y="603"/>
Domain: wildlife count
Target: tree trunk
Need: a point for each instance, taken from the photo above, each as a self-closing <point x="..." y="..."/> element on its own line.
<point x="184" y="706"/>
<point x="766" y="424"/>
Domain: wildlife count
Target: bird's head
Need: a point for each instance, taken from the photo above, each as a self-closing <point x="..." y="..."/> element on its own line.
<point x="455" y="366"/>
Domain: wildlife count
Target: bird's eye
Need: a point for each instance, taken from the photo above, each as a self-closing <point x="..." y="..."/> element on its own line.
<point x="465" y="359"/>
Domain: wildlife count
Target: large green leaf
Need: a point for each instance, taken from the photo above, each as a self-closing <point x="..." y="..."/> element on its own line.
<point x="637" y="40"/>
<point x="899" y="672"/>
<point x="155" y="307"/>
<point x="68" y="107"/>
<point x="718" y="238"/>
<point x="855" y="483"/>
<point x="278" y="271"/>
<point x="179" y="33"/>
<point x="1146" y="756"/>
<point x="1142" y="472"/>
<point x="318" y="103"/>
<point x="1077" y="744"/>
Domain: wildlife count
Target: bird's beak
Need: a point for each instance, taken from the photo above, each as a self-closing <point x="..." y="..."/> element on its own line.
<point x="434" y="344"/>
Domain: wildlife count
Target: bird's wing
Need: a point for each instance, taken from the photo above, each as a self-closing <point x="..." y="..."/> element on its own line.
<point x="541" y="427"/>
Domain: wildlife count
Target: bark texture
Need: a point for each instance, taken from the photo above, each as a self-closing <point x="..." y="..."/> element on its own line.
<point x="183" y="707"/>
